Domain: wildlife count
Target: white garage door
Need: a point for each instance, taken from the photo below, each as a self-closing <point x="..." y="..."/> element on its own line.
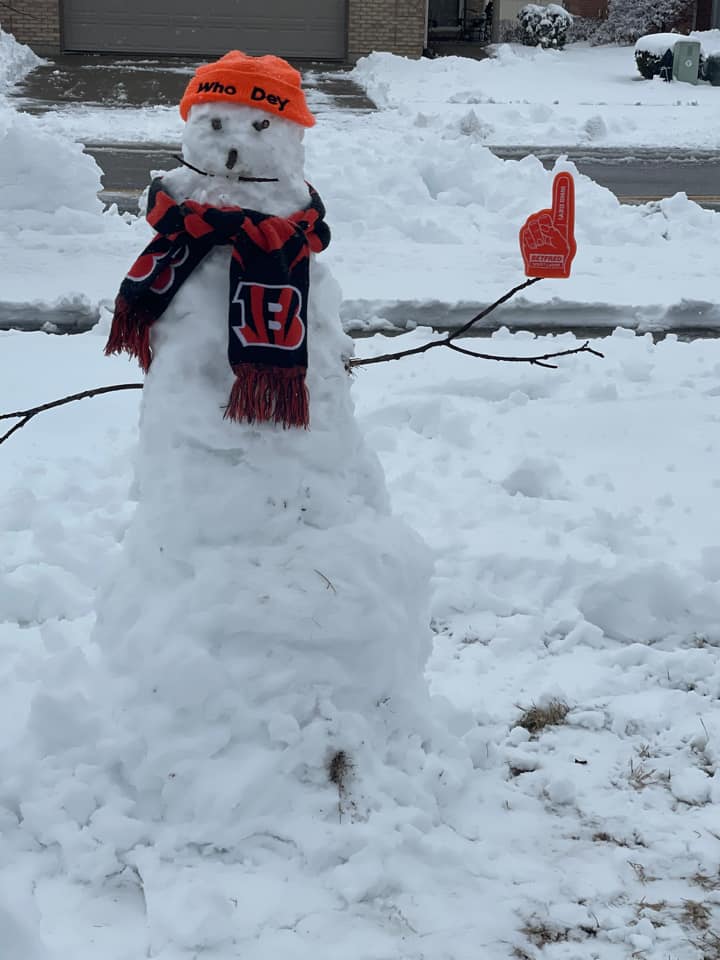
<point x="305" y="29"/>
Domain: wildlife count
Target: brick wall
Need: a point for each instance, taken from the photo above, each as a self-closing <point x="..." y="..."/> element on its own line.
<point x="397" y="26"/>
<point x="35" y="22"/>
<point x="587" y="8"/>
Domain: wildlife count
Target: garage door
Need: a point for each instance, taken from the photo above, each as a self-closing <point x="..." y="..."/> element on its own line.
<point x="305" y="29"/>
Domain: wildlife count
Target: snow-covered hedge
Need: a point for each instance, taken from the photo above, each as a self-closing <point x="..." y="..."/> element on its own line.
<point x="544" y="26"/>
<point x="650" y="50"/>
<point x="629" y="19"/>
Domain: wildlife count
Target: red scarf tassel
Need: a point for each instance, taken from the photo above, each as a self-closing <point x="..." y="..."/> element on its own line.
<point x="269" y="394"/>
<point x="129" y="334"/>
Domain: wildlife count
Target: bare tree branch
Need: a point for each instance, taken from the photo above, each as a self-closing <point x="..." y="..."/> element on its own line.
<point x="533" y="361"/>
<point x="25" y="416"/>
<point x="447" y="341"/>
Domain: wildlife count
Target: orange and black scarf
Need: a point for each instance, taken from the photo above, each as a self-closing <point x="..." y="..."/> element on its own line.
<point x="268" y="284"/>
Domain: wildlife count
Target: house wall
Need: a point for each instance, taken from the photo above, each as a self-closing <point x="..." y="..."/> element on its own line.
<point x="397" y="26"/>
<point x="35" y="22"/>
<point x="587" y="8"/>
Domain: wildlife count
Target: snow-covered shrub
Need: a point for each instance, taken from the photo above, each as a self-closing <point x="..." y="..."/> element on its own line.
<point x="545" y="26"/>
<point x="648" y="64"/>
<point x="650" y="51"/>
<point x="629" y="19"/>
<point x="710" y="68"/>
<point x="583" y="28"/>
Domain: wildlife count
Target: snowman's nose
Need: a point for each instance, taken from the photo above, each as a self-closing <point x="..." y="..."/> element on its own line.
<point x="231" y="159"/>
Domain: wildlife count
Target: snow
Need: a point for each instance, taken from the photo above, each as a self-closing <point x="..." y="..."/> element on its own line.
<point x="553" y="9"/>
<point x="659" y="43"/>
<point x="569" y="516"/>
<point x="436" y="236"/>
<point x="530" y="96"/>
<point x="16" y="60"/>
<point x="603" y="593"/>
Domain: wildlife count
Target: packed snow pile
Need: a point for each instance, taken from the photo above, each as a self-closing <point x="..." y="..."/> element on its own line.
<point x="43" y="178"/>
<point x="56" y="240"/>
<point x="708" y="39"/>
<point x="16" y="60"/>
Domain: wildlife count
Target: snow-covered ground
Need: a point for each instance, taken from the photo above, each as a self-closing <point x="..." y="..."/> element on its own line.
<point x="577" y="569"/>
<point x="570" y="513"/>
<point x="580" y="96"/>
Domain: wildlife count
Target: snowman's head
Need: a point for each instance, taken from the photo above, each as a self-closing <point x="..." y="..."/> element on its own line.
<point x="245" y="118"/>
<point x="242" y="143"/>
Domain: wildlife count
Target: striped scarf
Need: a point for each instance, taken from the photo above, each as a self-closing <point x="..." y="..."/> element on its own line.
<point x="268" y="285"/>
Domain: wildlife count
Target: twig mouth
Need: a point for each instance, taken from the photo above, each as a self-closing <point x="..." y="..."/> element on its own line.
<point x="240" y="179"/>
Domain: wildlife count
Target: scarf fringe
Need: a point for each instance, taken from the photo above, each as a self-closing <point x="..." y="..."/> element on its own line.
<point x="267" y="394"/>
<point x="130" y="333"/>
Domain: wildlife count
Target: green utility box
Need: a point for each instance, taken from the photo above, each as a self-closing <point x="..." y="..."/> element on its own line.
<point x="686" y="61"/>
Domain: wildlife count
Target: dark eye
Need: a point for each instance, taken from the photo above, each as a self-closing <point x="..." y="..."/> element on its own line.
<point x="216" y="123"/>
<point x="261" y="125"/>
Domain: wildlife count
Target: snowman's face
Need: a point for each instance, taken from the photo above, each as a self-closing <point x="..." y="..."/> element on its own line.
<point x="233" y="141"/>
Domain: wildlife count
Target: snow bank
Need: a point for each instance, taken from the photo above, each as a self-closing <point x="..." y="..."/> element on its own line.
<point x="43" y="176"/>
<point x="56" y="241"/>
<point x="16" y="60"/>
<point x="440" y="233"/>
<point x="709" y="40"/>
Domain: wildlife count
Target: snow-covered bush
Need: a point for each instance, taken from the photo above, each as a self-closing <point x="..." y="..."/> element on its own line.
<point x="544" y="26"/>
<point x="583" y="28"/>
<point x="652" y="49"/>
<point x="710" y="68"/>
<point x="629" y="19"/>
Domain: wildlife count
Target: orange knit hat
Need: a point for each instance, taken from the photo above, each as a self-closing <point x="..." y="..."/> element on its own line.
<point x="265" y="82"/>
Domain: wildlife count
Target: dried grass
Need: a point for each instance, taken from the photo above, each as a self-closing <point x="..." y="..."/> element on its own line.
<point x="534" y="719"/>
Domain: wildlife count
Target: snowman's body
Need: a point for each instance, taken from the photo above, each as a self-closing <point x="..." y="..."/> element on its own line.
<point x="268" y="618"/>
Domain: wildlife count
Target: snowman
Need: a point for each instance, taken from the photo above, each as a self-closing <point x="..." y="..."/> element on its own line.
<point x="266" y="626"/>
